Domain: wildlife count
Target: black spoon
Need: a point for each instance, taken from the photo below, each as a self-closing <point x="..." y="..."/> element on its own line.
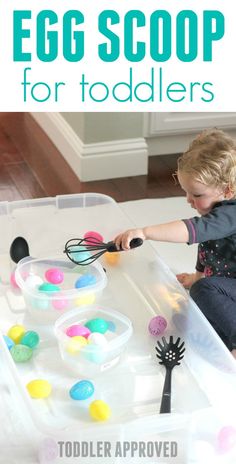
<point x="170" y="355"/>
<point x="19" y="249"/>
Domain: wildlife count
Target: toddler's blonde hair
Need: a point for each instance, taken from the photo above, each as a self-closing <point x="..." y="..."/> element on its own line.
<point x="211" y="160"/>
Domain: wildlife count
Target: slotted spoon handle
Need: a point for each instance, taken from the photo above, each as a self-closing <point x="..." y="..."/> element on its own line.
<point x="166" y="394"/>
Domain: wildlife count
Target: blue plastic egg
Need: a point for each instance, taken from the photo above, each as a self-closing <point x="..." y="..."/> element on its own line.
<point x="111" y="326"/>
<point x="8" y="341"/>
<point x="81" y="255"/>
<point x="85" y="280"/>
<point x="82" y="390"/>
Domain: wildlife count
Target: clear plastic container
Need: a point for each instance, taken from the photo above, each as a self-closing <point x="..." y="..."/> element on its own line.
<point x="46" y="299"/>
<point x="113" y="330"/>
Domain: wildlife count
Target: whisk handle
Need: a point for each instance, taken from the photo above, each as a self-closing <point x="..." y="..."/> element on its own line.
<point x="135" y="242"/>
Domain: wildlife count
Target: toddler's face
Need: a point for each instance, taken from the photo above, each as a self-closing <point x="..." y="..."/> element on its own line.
<point x="200" y="196"/>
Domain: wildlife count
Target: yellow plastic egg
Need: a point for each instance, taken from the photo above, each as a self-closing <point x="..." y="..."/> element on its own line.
<point x="75" y="344"/>
<point x="112" y="258"/>
<point x="85" y="300"/>
<point x="16" y="332"/>
<point x="99" y="410"/>
<point x="39" y="388"/>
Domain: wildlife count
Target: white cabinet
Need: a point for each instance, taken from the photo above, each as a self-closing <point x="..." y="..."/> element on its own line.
<point x="168" y="133"/>
<point x="176" y="123"/>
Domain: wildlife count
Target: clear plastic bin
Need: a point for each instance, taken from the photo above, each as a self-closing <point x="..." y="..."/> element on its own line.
<point x="140" y="286"/>
<point x="92" y="359"/>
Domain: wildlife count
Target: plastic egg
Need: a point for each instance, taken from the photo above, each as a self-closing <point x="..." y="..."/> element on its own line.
<point x="226" y="439"/>
<point x="112" y="258"/>
<point x="95" y="353"/>
<point x="9" y="342"/>
<point x="30" y="338"/>
<point x="75" y="344"/>
<point x="97" y="325"/>
<point x="157" y="325"/>
<point x="54" y="275"/>
<point x="33" y="281"/>
<point x="21" y="353"/>
<point x="97" y="339"/>
<point x="47" y="287"/>
<point x="84" y="280"/>
<point x="85" y="300"/>
<point x="60" y="304"/>
<point x="111" y="326"/>
<point x="78" y="329"/>
<point x="39" y="388"/>
<point x="48" y="450"/>
<point x="81" y="390"/>
<point x="99" y="410"/>
<point x="13" y="280"/>
<point x="91" y="234"/>
<point x="40" y="303"/>
<point x="79" y="254"/>
<point x="16" y="332"/>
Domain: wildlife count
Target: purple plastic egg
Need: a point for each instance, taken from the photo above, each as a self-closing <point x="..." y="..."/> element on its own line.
<point x="54" y="275"/>
<point x="157" y="325"/>
<point x="77" y="329"/>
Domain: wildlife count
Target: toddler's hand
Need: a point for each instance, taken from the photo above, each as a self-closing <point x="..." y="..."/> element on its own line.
<point x="123" y="240"/>
<point x="187" y="280"/>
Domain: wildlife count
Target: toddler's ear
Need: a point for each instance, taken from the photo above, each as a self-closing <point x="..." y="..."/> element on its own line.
<point x="228" y="192"/>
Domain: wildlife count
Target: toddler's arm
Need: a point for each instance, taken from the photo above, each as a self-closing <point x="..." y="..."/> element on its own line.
<point x="175" y="231"/>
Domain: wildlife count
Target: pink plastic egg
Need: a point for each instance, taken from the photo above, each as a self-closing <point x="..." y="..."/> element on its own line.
<point x="60" y="304"/>
<point x="226" y="439"/>
<point x="77" y="329"/>
<point x="54" y="275"/>
<point x="13" y="280"/>
<point x="91" y="234"/>
<point x="157" y="325"/>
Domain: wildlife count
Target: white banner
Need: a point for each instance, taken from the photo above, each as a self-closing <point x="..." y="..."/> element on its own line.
<point x="124" y="55"/>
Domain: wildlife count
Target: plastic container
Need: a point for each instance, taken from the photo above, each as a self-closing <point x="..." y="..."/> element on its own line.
<point x="140" y="286"/>
<point x="92" y="359"/>
<point x="48" y="300"/>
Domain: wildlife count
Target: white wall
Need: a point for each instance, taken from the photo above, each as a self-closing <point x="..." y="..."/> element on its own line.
<point x="101" y="127"/>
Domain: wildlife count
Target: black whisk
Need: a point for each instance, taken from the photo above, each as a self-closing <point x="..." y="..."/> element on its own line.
<point x="85" y="251"/>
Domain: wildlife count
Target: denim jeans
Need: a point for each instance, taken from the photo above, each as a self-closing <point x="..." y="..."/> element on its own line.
<point x="216" y="298"/>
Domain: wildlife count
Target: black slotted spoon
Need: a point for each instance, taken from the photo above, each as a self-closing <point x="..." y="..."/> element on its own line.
<point x="170" y="353"/>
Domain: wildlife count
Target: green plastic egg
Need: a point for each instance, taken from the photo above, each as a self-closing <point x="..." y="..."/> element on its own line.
<point x="97" y="325"/>
<point x="48" y="287"/>
<point x="21" y="353"/>
<point x="30" y="338"/>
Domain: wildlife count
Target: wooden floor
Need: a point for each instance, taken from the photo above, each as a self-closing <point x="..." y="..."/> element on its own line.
<point x="20" y="179"/>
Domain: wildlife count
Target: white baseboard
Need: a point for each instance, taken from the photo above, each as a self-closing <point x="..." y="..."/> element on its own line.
<point x="95" y="161"/>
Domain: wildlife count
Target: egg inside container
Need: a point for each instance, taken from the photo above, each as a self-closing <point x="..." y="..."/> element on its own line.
<point x="104" y="347"/>
<point x="50" y="285"/>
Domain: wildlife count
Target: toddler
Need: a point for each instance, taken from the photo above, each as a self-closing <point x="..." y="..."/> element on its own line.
<point x="207" y="173"/>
